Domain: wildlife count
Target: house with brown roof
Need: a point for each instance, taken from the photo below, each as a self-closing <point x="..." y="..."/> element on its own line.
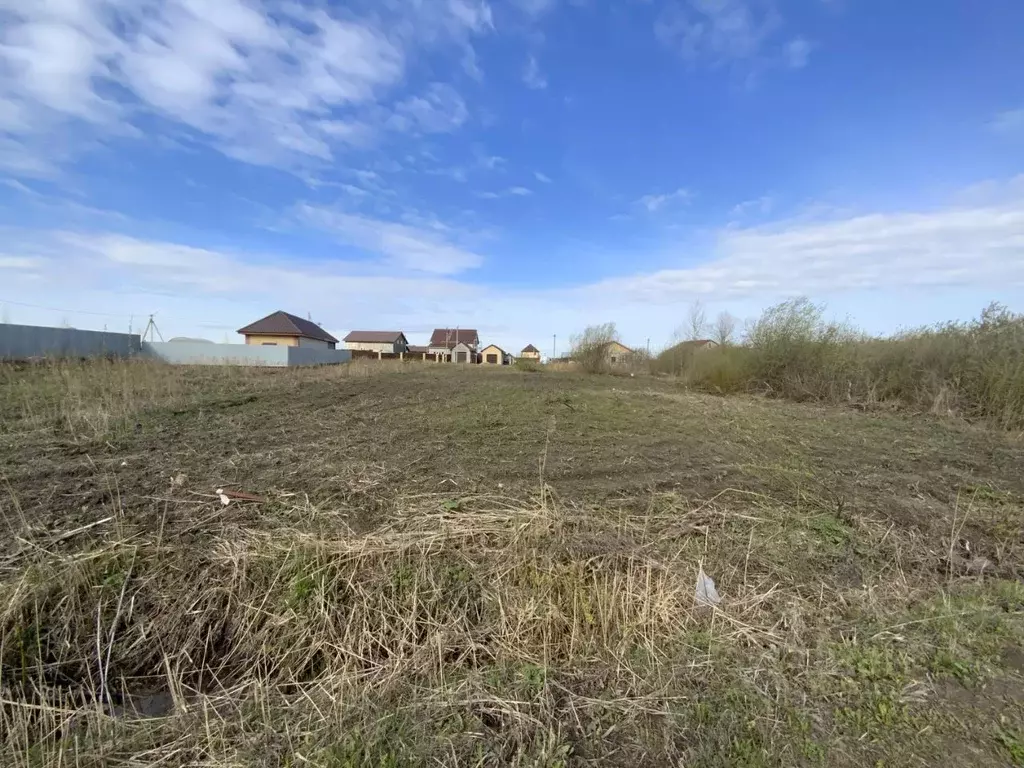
<point x="376" y="342"/>
<point x="282" y="329"/>
<point x="454" y="344"/>
<point x="530" y="352"/>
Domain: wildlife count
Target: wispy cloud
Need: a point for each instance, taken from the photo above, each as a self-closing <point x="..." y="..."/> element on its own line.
<point x="968" y="248"/>
<point x="760" y="205"/>
<point x="264" y="81"/>
<point x="957" y="247"/>
<point x="797" y="53"/>
<point x="510" y="192"/>
<point x="18" y="262"/>
<point x="1010" y="122"/>
<point x="542" y="177"/>
<point x="532" y="75"/>
<point x="657" y="202"/>
<point x="717" y="30"/>
<point x="439" y="109"/>
<point x="427" y="248"/>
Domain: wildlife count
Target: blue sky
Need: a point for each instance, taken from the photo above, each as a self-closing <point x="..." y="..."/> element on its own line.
<point x="526" y="167"/>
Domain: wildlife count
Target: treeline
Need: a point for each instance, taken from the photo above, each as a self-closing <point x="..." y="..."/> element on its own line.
<point x="974" y="369"/>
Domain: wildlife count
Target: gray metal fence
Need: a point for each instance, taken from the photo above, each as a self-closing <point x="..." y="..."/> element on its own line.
<point x="24" y="342"/>
<point x="198" y="353"/>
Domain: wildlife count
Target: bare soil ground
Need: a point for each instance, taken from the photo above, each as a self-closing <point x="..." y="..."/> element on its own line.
<point x="493" y="567"/>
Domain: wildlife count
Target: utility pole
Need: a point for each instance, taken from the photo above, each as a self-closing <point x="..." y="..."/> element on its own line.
<point x="648" y="346"/>
<point x="554" y="345"/>
<point x="152" y="331"/>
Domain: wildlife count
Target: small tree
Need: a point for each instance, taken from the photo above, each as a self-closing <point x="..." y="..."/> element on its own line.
<point x="696" y="321"/>
<point x="725" y="328"/>
<point x="589" y="348"/>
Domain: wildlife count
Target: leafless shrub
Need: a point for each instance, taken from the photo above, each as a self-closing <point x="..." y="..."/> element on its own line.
<point x="589" y="349"/>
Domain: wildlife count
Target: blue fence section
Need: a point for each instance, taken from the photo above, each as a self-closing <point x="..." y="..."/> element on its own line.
<point x="24" y="342"/>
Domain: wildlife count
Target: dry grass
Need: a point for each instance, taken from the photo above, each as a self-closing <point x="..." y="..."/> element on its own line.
<point x="973" y="370"/>
<point x="536" y="624"/>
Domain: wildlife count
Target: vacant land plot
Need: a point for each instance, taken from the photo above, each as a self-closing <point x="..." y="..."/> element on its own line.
<point x="456" y="566"/>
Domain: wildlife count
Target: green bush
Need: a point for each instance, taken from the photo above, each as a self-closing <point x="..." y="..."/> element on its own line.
<point x="973" y="369"/>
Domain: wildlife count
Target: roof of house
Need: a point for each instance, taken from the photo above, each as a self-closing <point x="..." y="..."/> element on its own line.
<point x="530" y="348"/>
<point x="619" y="343"/>
<point x="417" y="349"/>
<point x="684" y="346"/>
<point x="375" y="337"/>
<point x="285" y="324"/>
<point x="449" y="337"/>
<point x="494" y="346"/>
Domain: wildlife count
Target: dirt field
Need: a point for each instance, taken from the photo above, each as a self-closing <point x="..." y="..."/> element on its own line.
<point x="462" y="566"/>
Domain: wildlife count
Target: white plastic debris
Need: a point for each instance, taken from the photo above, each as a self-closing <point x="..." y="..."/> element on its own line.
<point x="706" y="592"/>
<point x="223" y="497"/>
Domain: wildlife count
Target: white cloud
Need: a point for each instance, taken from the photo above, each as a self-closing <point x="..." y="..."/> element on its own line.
<point x="655" y="202"/>
<point x="475" y="16"/>
<point x="265" y="81"/>
<point x="1010" y="122"/>
<point x="439" y="109"/>
<point x="510" y="192"/>
<point x="532" y="75"/>
<point x="798" y="52"/>
<point x="719" y="30"/>
<point x="17" y="262"/>
<point x="761" y="205"/>
<point x="542" y="177"/>
<point x="421" y="248"/>
<point x="959" y="247"/>
<point x="975" y="250"/>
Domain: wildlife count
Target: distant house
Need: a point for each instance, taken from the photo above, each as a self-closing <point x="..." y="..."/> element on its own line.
<point x="693" y="345"/>
<point x="530" y="352"/>
<point x="282" y="329"/>
<point x="376" y="342"/>
<point x="616" y="353"/>
<point x="444" y="340"/>
<point x="463" y="353"/>
<point x="494" y="355"/>
<point x="676" y="357"/>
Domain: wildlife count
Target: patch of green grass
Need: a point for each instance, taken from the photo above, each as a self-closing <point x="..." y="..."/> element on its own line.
<point x="1011" y="739"/>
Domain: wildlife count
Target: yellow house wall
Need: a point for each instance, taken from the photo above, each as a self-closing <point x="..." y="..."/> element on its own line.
<point x="281" y="341"/>
<point x="530" y="355"/>
<point x="491" y="350"/>
<point x="618" y="351"/>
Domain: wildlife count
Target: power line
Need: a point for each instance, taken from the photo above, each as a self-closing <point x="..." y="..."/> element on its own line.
<point x="58" y="309"/>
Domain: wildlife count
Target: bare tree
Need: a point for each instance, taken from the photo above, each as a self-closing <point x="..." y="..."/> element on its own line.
<point x="697" y="321"/>
<point x="589" y="348"/>
<point x="725" y="328"/>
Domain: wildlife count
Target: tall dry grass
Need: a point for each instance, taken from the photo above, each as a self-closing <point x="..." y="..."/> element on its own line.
<point x="445" y="636"/>
<point x="971" y="369"/>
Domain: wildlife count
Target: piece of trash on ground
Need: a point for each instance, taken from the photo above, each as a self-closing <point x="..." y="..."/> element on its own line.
<point x="227" y="496"/>
<point x="706" y="592"/>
